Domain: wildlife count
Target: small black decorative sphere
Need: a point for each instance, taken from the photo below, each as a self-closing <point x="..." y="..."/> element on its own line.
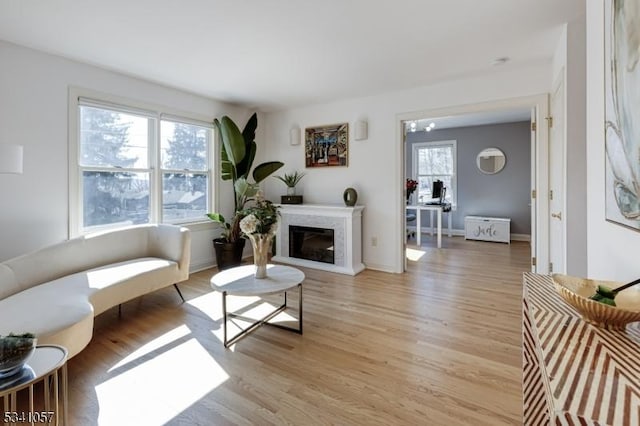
<point x="350" y="196"/>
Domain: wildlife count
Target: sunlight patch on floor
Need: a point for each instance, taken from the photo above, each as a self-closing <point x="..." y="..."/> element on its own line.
<point x="210" y="304"/>
<point x="159" y="389"/>
<point x="414" y="255"/>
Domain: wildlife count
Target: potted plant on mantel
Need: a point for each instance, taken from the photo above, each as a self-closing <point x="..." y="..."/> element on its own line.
<point x="238" y="153"/>
<point x="291" y="180"/>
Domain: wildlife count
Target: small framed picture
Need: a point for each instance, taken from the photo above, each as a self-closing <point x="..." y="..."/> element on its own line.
<point x="327" y="145"/>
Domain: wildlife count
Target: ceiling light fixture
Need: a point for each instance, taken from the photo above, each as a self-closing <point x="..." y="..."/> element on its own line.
<point x="430" y="127"/>
<point x="413" y="126"/>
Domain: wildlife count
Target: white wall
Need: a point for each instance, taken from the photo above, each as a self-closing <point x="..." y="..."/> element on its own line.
<point x="33" y="112"/>
<point x="576" y="155"/>
<point x="375" y="164"/>
<point x="612" y="250"/>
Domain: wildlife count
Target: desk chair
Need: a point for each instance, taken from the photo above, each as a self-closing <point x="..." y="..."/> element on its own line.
<point x="411" y="217"/>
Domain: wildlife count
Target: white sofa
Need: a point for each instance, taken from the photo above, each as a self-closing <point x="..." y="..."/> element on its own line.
<point x="55" y="292"/>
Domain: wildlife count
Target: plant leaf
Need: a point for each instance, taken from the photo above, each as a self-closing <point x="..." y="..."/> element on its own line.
<point x="216" y="217"/>
<point x="245" y="165"/>
<point x="249" y="131"/>
<point x="232" y="140"/>
<point x="263" y="170"/>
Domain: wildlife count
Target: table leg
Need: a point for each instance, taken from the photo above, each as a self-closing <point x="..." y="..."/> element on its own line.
<point x="300" y="307"/>
<point x="263" y="321"/>
<point x="47" y="396"/>
<point x="449" y="222"/>
<point x="56" y="397"/>
<point x="65" y="395"/>
<point x="439" y="214"/>
<point x="31" y="408"/>
<point x="418" y="226"/>
<point x="14" y="400"/>
<point x="224" y="316"/>
<point x="431" y="222"/>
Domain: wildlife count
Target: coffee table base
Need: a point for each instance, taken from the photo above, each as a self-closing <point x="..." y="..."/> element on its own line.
<point x="260" y="322"/>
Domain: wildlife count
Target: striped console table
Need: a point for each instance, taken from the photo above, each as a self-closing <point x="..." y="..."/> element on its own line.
<point x="575" y="373"/>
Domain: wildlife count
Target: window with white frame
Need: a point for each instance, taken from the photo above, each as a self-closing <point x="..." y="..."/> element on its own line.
<point x="435" y="161"/>
<point x="133" y="166"/>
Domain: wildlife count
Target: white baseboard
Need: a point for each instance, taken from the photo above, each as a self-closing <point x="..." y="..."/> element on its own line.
<point x="201" y="266"/>
<point x="380" y="268"/>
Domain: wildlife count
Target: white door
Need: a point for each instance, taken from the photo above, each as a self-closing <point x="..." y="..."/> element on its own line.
<point x="557" y="228"/>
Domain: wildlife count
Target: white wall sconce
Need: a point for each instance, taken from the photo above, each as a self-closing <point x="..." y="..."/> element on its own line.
<point x="360" y="130"/>
<point x="294" y="136"/>
<point x="11" y="159"/>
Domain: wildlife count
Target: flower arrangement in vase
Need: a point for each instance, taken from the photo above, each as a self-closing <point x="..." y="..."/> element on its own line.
<point x="260" y="224"/>
<point x="410" y="188"/>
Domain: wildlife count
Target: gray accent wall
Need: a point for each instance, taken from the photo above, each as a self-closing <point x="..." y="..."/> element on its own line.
<point x="505" y="194"/>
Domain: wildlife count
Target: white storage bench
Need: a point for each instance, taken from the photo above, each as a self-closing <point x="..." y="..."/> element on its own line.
<point x="487" y="229"/>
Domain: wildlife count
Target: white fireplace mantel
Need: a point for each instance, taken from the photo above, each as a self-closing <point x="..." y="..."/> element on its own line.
<point x="346" y="223"/>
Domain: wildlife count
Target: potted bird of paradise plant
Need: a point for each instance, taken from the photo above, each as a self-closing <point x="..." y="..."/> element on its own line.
<point x="237" y="154"/>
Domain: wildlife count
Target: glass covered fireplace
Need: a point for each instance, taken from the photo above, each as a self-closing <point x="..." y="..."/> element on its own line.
<point x="309" y="243"/>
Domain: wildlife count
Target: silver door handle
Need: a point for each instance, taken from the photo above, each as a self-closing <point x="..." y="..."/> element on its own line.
<point x="557" y="215"/>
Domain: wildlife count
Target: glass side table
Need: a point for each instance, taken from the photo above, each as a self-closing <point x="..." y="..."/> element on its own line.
<point x="48" y="364"/>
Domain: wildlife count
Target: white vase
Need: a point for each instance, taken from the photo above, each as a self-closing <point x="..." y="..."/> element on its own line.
<point x="291" y="190"/>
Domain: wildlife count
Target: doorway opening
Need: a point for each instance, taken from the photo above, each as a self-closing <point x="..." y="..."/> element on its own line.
<point x="508" y="128"/>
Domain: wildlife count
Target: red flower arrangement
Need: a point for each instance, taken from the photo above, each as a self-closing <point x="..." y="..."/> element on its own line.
<point x="411" y="186"/>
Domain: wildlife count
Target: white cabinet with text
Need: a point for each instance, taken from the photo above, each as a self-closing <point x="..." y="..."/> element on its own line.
<point x="487" y="229"/>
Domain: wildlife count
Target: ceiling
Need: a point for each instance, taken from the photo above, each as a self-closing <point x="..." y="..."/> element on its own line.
<point x="279" y="54"/>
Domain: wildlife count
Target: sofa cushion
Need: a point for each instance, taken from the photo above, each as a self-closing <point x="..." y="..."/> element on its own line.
<point x="113" y="284"/>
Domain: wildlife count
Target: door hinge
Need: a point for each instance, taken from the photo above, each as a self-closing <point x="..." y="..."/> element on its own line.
<point x="549" y="121"/>
<point x="533" y="193"/>
<point x="551" y="194"/>
<point x="534" y="126"/>
<point x="550" y="267"/>
<point x="533" y="261"/>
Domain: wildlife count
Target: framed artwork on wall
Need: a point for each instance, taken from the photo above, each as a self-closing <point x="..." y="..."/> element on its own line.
<point x="622" y="109"/>
<point x="326" y="145"/>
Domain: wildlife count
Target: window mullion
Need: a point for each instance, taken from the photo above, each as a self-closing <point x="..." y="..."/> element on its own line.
<point x="156" y="174"/>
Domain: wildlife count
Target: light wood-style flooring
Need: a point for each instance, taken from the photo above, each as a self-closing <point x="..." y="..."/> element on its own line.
<point x="439" y="345"/>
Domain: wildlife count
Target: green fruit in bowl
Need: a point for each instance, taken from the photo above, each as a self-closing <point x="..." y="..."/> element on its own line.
<point x="604" y="295"/>
<point x="15" y="350"/>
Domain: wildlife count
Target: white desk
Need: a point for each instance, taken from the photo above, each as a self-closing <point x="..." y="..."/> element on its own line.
<point x="431" y="208"/>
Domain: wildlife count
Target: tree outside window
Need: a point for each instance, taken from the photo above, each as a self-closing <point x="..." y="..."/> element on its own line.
<point x="117" y="164"/>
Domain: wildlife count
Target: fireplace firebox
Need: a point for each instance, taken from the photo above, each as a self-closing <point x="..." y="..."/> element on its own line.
<point x="316" y="244"/>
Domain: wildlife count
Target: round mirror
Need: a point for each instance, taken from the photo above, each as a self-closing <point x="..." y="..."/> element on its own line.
<point x="490" y="161"/>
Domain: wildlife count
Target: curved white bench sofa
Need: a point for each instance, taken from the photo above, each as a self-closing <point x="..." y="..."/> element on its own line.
<point x="55" y="292"/>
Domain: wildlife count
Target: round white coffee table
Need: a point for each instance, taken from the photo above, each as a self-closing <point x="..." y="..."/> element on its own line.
<point x="240" y="281"/>
<point x="49" y="364"/>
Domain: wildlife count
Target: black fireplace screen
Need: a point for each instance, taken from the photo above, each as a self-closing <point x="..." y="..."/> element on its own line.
<point x="309" y="243"/>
